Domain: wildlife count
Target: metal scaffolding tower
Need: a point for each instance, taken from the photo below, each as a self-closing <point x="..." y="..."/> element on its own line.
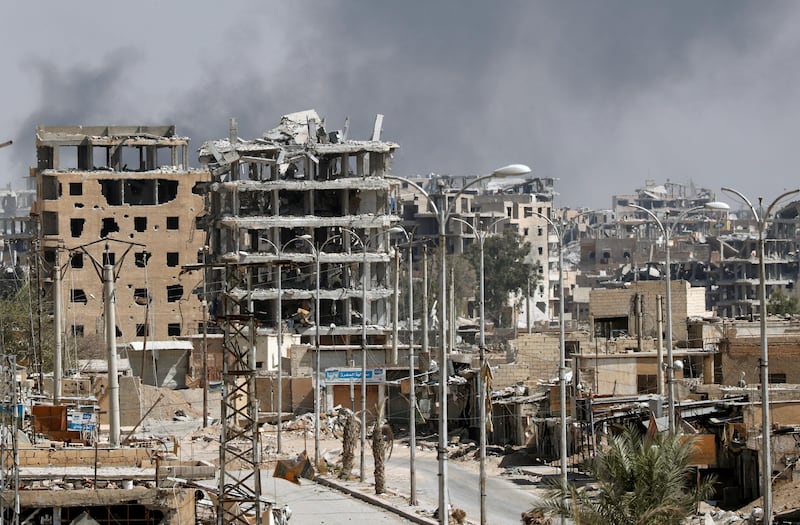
<point x="9" y="453"/>
<point x="240" y="499"/>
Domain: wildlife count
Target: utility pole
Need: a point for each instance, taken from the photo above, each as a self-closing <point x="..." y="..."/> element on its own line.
<point x="109" y="307"/>
<point x="58" y="366"/>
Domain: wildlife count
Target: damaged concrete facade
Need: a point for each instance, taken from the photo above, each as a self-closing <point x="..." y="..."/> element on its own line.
<point x="296" y="192"/>
<point x="497" y="207"/>
<point x="125" y="196"/>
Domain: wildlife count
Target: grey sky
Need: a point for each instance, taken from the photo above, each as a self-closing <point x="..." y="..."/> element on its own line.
<point x="601" y="94"/>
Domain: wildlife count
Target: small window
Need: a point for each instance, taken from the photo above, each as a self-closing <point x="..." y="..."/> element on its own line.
<point x="528" y="211"/>
<point x="140" y="224"/>
<point x="76" y="261"/>
<point x="109" y="226"/>
<point x="541" y="252"/>
<point x="109" y="258"/>
<point x="525" y="232"/>
<point x="140" y="296"/>
<point x="540" y="231"/>
<point x="172" y="223"/>
<point x="174" y="293"/>
<point x="141" y="330"/>
<point x="76" y="227"/>
<point x="174" y="329"/>
<point x="777" y="378"/>
<point x="141" y="258"/>
<point x="76" y="188"/>
<point x="173" y="259"/>
<point x="76" y="295"/>
<point x="77" y="330"/>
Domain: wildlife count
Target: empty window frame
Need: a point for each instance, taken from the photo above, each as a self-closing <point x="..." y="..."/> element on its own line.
<point x="173" y="259"/>
<point x="174" y="293"/>
<point x="142" y="258"/>
<point x="173" y="223"/>
<point x="77" y="295"/>
<point x="76" y="227"/>
<point x="76" y="260"/>
<point x="173" y="329"/>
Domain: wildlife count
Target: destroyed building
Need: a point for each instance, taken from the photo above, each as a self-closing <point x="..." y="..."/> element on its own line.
<point x="122" y="196"/>
<point x="492" y="209"/>
<point x="300" y="197"/>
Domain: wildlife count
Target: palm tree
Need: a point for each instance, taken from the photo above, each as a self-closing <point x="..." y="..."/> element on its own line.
<point x="637" y="482"/>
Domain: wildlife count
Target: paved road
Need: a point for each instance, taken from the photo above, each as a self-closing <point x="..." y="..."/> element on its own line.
<point x="312" y="503"/>
<point x="507" y="497"/>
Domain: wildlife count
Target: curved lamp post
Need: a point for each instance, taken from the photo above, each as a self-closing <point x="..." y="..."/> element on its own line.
<point x="667" y="231"/>
<point x="316" y="251"/>
<point x="412" y="395"/>
<point x="279" y="251"/>
<point x="364" y="242"/>
<point x="481" y="236"/>
<point x="766" y="452"/>
<point x="442" y="211"/>
<point x="562" y="351"/>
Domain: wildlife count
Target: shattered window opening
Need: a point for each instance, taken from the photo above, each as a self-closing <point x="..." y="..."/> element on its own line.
<point x="76" y="227"/>
<point x="174" y="329"/>
<point x="173" y="223"/>
<point x="76" y="261"/>
<point x="139" y="192"/>
<point x="76" y="188"/>
<point x="77" y="295"/>
<point x="109" y="226"/>
<point x="51" y="188"/>
<point x="140" y="296"/>
<point x="142" y="258"/>
<point x="173" y="259"/>
<point x="174" y="293"/>
<point x="140" y="224"/>
<point x="49" y="223"/>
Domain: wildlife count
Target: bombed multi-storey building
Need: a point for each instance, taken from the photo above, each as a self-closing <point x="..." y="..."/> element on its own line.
<point x="122" y="196"/>
<point x="296" y="199"/>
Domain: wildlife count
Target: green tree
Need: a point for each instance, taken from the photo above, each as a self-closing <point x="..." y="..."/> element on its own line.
<point x="19" y="323"/>
<point x="780" y="303"/>
<point x="506" y="272"/>
<point x="638" y="482"/>
<point x="464" y="280"/>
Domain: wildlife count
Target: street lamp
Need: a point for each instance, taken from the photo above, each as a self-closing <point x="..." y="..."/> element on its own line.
<point x="562" y="353"/>
<point x="317" y="253"/>
<point x="443" y="210"/>
<point x="481" y="236"/>
<point x="279" y="328"/>
<point x="667" y="231"/>
<point x="412" y="396"/>
<point x="766" y="455"/>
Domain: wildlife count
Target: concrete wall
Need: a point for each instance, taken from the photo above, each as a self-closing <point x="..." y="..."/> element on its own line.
<point x="743" y="355"/>
<point x="686" y="302"/>
<point x="71" y="457"/>
<point x="537" y="358"/>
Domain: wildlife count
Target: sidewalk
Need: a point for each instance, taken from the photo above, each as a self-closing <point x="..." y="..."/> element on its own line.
<point x="391" y="501"/>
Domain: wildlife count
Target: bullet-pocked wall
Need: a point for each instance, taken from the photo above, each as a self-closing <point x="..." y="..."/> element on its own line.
<point x="124" y="196"/>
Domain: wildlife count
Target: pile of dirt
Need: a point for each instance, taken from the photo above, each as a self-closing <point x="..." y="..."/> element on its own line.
<point x="785" y="496"/>
<point x="166" y="404"/>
